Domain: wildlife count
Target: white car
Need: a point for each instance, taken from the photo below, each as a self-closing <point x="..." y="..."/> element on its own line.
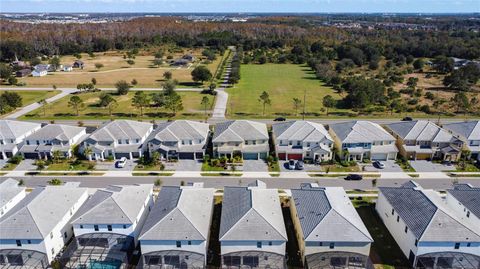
<point x="291" y="165"/>
<point x="379" y="165"/>
<point x="121" y="163"/>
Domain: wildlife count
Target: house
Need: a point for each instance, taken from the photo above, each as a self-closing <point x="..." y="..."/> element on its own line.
<point x="51" y="138"/>
<point x="38" y="227"/>
<point x="424" y="140"/>
<point x="40" y="70"/>
<point x="252" y="230"/>
<point x="248" y="139"/>
<point x="181" y="139"/>
<point x="12" y="135"/>
<point x="10" y="195"/>
<point x="67" y="68"/>
<point x="465" y="199"/>
<point x="78" y="64"/>
<point x="117" y="139"/>
<point x="329" y="231"/>
<point x="188" y="57"/>
<point x="469" y="133"/>
<point x="107" y="226"/>
<point x="300" y="140"/>
<point x="177" y="231"/>
<point x="428" y="230"/>
<point x="180" y="62"/>
<point x="358" y="140"/>
<point x="23" y="73"/>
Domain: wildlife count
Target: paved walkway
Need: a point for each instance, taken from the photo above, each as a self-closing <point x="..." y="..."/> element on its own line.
<point x="221" y="97"/>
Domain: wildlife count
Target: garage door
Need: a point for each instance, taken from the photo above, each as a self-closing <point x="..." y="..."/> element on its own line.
<point x="295" y="156"/>
<point x="30" y="155"/>
<point x="282" y="156"/>
<point x="250" y="156"/>
<point x="199" y="155"/>
<point x="379" y="157"/>
<point x="120" y="155"/>
<point x="185" y="155"/>
<point x="423" y="156"/>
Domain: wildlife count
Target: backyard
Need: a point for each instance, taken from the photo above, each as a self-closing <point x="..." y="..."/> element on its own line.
<point x="60" y="109"/>
<point x="282" y="82"/>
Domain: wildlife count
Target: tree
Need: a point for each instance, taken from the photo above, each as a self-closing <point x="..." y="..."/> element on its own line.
<point x="56" y="156"/>
<point x="87" y="152"/>
<point x="130" y="62"/>
<point x="205" y="102"/>
<point x="5" y="71"/>
<point x="98" y="66"/>
<point x="122" y="87"/>
<point x="169" y="86"/>
<point x="43" y="103"/>
<point x="55" y="62"/>
<point x="201" y="73"/>
<point x="297" y="103"/>
<point x="107" y="101"/>
<point x="461" y="102"/>
<point x="443" y="64"/>
<point x="134" y="82"/>
<point x="167" y="75"/>
<point x="329" y="102"/>
<point x="173" y="102"/>
<point x="94" y="81"/>
<point x="55" y="182"/>
<point x="76" y="103"/>
<point x="418" y="64"/>
<point x="140" y="100"/>
<point x="12" y="99"/>
<point x="157" y="62"/>
<point x="158" y="99"/>
<point x="155" y="158"/>
<point x="265" y="100"/>
<point x="12" y="80"/>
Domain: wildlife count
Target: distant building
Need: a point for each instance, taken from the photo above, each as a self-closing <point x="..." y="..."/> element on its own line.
<point x="67" y="68"/>
<point x="40" y="70"/>
<point x="252" y="229"/>
<point x="36" y="230"/>
<point x="329" y="231"/>
<point x="180" y="62"/>
<point x="23" y="73"/>
<point x="177" y="231"/>
<point x="431" y="232"/>
<point x="188" y="57"/>
<point x="107" y="226"/>
<point x="10" y="195"/>
<point x="78" y="64"/>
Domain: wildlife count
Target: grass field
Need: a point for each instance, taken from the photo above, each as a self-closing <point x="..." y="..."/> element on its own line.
<point x="116" y="68"/>
<point x="29" y="97"/>
<point x="283" y="82"/>
<point x="60" y="110"/>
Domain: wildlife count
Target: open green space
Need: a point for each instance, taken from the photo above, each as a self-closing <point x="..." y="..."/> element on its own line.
<point x="91" y="110"/>
<point x="30" y="97"/>
<point x="282" y="82"/>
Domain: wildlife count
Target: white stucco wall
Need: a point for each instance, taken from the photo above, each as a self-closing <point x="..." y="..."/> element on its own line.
<point x="360" y="248"/>
<point x="10" y="204"/>
<point x="236" y="246"/>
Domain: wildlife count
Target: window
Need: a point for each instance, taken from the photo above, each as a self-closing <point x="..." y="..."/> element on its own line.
<point x="30" y="241"/>
<point x="179" y="244"/>
<point x="393" y="211"/>
<point x="95" y="227"/>
<point x="65" y="234"/>
<point x="457" y="245"/>
<point x="469" y="244"/>
<point x="270" y="243"/>
<point x="51" y="235"/>
<point x="398" y="218"/>
<point x="416" y="242"/>
<point x="53" y="251"/>
<point x="81" y="226"/>
<point x="19" y="243"/>
<point x="232" y="261"/>
<point x="406" y="229"/>
<point x="189" y="243"/>
<point x="251" y="261"/>
<point x="109" y="227"/>
<point x="259" y="244"/>
<point x="468" y="214"/>
<point x="124" y="226"/>
<point x="332" y="245"/>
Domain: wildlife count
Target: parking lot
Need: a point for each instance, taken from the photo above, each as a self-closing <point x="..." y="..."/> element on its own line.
<point x="427" y="166"/>
<point x="390" y="166"/>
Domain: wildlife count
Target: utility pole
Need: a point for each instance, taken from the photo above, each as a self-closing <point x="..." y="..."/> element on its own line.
<point x="304" y="98"/>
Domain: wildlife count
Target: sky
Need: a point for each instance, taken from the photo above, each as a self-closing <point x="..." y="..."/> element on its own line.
<point x="310" y="6"/>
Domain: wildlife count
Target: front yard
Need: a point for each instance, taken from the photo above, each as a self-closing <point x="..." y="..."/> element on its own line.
<point x="71" y="165"/>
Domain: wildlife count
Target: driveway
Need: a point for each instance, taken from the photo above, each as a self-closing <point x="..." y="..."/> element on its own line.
<point x="2" y="163"/>
<point x="307" y="167"/>
<point x="390" y="166"/>
<point x="184" y="165"/>
<point x="255" y="166"/>
<point x="426" y="166"/>
<point x="110" y="166"/>
<point x="26" y="165"/>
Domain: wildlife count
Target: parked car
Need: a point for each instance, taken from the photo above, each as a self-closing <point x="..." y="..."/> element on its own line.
<point x="280" y="119"/>
<point x="354" y="177"/>
<point x="299" y="165"/>
<point x="447" y="163"/>
<point x="121" y="163"/>
<point x="379" y="164"/>
<point x="407" y="119"/>
<point x="291" y="164"/>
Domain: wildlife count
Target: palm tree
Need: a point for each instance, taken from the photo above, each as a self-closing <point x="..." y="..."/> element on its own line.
<point x="265" y="100"/>
<point x="205" y="103"/>
<point x="76" y="103"/>
<point x="297" y="103"/>
<point x="56" y="156"/>
<point x="43" y="103"/>
<point x="88" y="153"/>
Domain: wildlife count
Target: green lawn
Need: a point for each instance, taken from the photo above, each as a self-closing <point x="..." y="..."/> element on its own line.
<point x="283" y="82"/>
<point x="70" y="165"/>
<point x="29" y="97"/>
<point x="60" y="110"/>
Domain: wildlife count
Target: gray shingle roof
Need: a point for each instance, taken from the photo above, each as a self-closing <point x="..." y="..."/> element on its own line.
<point x="468" y="196"/>
<point x="252" y="213"/>
<point x="180" y="214"/>
<point x="470" y="130"/>
<point x="326" y="214"/>
<point x="10" y="129"/>
<point x="115" y="204"/>
<point x="240" y="130"/>
<point x="300" y="131"/>
<point x="8" y="190"/>
<point x="39" y="212"/>
<point x="121" y="129"/>
<point x="427" y="216"/>
<point x="56" y="131"/>
<point x="420" y="130"/>
<point x="180" y="130"/>
<point x="360" y="132"/>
